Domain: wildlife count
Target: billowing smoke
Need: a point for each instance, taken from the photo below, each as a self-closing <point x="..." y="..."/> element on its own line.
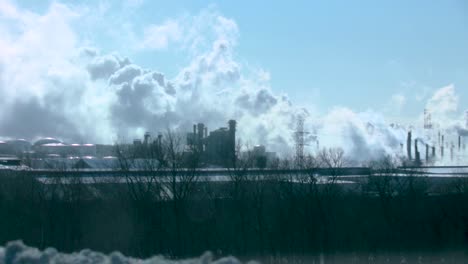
<point x="54" y="84"/>
<point x="17" y="252"/>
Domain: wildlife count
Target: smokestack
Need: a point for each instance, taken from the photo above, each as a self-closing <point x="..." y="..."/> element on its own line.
<point x="451" y="152"/>
<point x="232" y="140"/>
<point x="433" y="151"/>
<point x="442" y="151"/>
<point x="194" y="130"/>
<point x="459" y="142"/>
<point x="408" y="145"/>
<point x="159" y="139"/>
<point x="416" y="152"/>
<point x="147" y="138"/>
<point x="439" y="138"/>
<point x="427" y="152"/>
<point x="201" y="128"/>
<point x="442" y="140"/>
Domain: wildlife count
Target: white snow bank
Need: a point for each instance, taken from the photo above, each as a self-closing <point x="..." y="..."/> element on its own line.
<point x="16" y="252"/>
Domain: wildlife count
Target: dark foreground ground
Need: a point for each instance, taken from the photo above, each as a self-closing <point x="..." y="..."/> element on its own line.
<point x="293" y="220"/>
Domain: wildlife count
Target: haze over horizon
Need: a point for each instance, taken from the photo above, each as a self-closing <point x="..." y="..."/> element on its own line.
<point x="97" y="71"/>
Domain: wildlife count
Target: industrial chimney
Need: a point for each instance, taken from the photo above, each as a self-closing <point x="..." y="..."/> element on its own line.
<point x="201" y="128"/>
<point x="416" y="153"/>
<point x="147" y="138"/>
<point x="232" y="140"/>
<point x="159" y="139"/>
<point x="408" y="145"/>
<point x="451" y="152"/>
<point x="459" y="142"/>
<point x="427" y="152"/>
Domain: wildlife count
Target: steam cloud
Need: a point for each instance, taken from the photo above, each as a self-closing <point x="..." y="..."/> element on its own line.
<point x="17" y="252"/>
<point x="53" y="85"/>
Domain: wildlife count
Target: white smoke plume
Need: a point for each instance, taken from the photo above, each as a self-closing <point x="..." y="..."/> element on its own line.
<point x="16" y="252"/>
<point x="53" y="83"/>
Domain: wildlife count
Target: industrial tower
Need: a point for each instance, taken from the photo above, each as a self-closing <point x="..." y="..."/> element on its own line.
<point x="300" y="140"/>
<point x="427" y="119"/>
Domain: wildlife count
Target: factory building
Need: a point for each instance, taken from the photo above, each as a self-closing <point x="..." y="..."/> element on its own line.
<point x="216" y="148"/>
<point x="14" y="147"/>
<point x="49" y="147"/>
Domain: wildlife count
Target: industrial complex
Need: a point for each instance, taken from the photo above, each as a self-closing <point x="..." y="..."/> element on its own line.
<point x="216" y="148"/>
<point x="427" y="146"/>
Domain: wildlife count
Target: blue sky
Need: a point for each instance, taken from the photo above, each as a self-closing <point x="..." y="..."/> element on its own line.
<point x="326" y="53"/>
<point x="349" y="64"/>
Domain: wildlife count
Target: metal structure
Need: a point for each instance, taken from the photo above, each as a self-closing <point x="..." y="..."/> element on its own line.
<point x="300" y="140"/>
<point x="427" y="120"/>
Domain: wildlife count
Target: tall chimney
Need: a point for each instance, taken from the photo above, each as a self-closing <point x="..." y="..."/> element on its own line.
<point x="416" y="152"/>
<point x="201" y="128"/>
<point x="147" y="138"/>
<point x="408" y="145"/>
<point x="451" y="152"/>
<point x="232" y="141"/>
<point x="439" y="138"/>
<point x="433" y="151"/>
<point x="442" y="147"/>
<point x="159" y="139"/>
<point x="427" y="152"/>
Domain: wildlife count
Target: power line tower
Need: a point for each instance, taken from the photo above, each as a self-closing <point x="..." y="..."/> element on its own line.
<point x="427" y="119"/>
<point x="300" y="140"/>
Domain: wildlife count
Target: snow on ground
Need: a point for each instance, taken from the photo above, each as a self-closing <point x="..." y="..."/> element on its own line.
<point x="16" y="252"/>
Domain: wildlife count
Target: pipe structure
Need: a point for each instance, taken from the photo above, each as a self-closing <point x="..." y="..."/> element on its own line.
<point x="408" y="145"/>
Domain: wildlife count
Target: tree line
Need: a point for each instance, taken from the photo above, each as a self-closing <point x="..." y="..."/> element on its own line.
<point x="182" y="215"/>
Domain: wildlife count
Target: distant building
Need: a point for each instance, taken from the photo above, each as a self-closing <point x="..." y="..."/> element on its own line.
<point x="217" y="148"/>
<point x="14" y="147"/>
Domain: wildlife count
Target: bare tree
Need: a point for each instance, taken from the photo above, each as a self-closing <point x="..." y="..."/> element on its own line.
<point x="179" y="186"/>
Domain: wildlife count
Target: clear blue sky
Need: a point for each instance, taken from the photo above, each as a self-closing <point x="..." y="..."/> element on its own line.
<point x="349" y="53"/>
